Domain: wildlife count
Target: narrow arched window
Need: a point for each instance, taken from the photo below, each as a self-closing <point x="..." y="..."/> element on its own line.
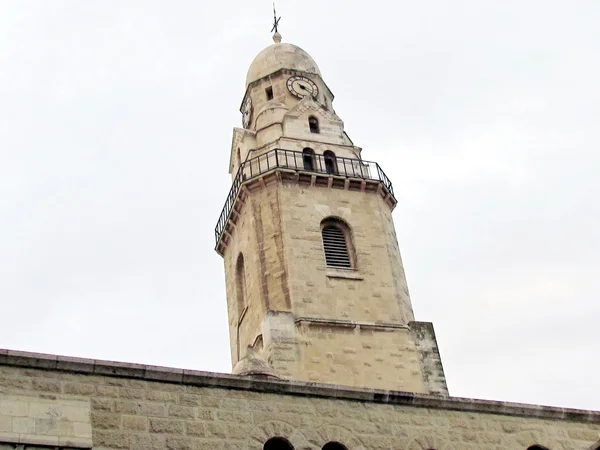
<point x="337" y="243"/>
<point x="278" y="443"/>
<point x="313" y="124"/>
<point x="240" y="284"/>
<point x="330" y="162"/>
<point x="334" y="446"/>
<point x="308" y="159"/>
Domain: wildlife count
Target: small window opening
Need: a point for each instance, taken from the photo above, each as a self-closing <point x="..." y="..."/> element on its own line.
<point x="313" y="124"/>
<point x="334" y="446"/>
<point x="336" y="236"/>
<point x="239" y="156"/>
<point x="278" y="443"/>
<point x="330" y="162"/>
<point x="240" y="281"/>
<point x="536" y="447"/>
<point x="269" y="92"/>
<point x="308" y="159"/>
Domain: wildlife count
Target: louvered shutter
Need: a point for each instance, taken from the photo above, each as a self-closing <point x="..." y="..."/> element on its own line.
<point x="336" y="249"/>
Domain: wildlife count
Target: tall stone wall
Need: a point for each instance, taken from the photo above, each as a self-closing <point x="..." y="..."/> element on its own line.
<point x="374" y="356"/>
<point x="332" y="325"/>
<point x="258" y="238"/>
<point x="130" y="406"/>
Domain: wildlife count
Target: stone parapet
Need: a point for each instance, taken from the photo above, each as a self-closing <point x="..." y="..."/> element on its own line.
<point x="225" y="381"/>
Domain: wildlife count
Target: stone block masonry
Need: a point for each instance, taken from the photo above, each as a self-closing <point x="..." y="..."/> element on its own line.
<point x="132" y="406"/>
<point x="42" y="420"/>
<point x="364" y="313"/>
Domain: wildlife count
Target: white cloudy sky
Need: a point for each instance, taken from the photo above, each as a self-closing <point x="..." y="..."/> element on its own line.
<point x="115" y="127"/>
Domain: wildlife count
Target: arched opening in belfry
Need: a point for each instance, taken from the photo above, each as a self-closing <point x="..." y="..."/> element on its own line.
<point x="334" y="446"/>
<point x="278" y="443"/>
<point x="313" y="124"/>
<point x="330" y="162"/>
<point x="308" y="159"/>
<point x="537" y="447"/>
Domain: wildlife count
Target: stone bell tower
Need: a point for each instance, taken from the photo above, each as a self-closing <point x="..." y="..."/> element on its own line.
<point x="315" y="284"/>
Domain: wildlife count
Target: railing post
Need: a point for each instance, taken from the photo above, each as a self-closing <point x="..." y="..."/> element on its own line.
<point x="359" y="167"/>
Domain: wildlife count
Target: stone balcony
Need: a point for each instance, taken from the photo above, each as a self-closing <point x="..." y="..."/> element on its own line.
<point x="302" y="168"/>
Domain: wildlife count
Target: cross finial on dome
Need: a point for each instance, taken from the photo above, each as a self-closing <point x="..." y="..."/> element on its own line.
<point x="276" y="36"/>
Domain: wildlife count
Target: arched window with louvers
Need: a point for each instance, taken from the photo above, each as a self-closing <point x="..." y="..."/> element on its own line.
<point x="337" y="244"/>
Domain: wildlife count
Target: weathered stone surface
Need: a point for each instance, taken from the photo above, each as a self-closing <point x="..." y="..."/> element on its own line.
<point x="79" y="388"/>
<point x="30" y="418"/>
<point x="231" y="412"/>
<point x="135" y="423"/>
<point x="112" y="439"/>
<point x="106" y="421"/>
<point x="167" y="426"/>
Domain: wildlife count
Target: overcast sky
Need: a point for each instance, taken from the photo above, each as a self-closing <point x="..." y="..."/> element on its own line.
<point x="115" y="129"/>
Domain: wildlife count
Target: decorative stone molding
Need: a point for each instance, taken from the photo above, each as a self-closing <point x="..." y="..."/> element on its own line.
<point x="333" y="433"/>
<point x="265" y="431"/>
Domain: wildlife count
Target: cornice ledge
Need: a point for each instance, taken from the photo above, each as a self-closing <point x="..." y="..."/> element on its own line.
<point x="210" y="379"/>
<point x="350" y="323"/>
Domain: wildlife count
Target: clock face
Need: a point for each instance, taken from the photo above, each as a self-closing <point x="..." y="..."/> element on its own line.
<point x="301" y="86"/>
<point x="247" y="112"/>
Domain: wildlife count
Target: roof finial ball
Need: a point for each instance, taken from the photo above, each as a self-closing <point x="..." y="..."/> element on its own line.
<point x="276" y="36"/>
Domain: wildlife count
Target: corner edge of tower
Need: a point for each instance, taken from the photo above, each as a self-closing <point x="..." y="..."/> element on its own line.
<point x="431" y="362"/>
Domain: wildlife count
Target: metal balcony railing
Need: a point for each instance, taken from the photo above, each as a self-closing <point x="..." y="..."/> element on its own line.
<point x="300" y="162"/>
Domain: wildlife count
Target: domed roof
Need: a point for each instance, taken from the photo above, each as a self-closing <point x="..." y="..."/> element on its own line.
<point x="280" y="56"/>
